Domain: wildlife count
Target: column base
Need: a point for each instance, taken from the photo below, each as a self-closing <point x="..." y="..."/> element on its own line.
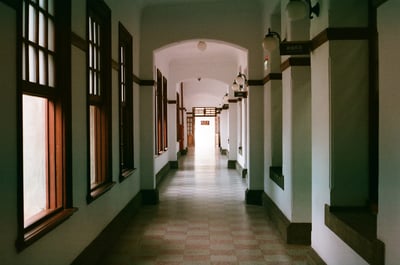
<point x="232" y="164"/>
<point x="254" y="197"/>
<point x="150" y="197"/>
<point x="292" y="233"/>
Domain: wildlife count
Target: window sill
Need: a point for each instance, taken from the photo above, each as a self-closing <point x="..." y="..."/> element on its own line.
<point x="126" y="174"/>
<point x="34" y="232"/>
<point x="100" y="190"/>
<point x="356" y="226"/>
<point x="275" y="173"/>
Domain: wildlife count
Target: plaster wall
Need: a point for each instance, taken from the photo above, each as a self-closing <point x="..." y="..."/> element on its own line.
<point x="389" y="130"/>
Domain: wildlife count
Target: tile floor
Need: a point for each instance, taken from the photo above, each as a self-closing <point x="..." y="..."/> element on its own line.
<point x="202" y="219"/>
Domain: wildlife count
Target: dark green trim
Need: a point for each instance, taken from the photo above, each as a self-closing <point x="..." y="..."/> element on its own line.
<point x="232" y="164"/>
<point x="364" y="243"/>
<point x="162" y="173"/>
<point x="254" y="197"/>
<point x="244" y="173"/>
<point x="174" y="164"/>
<point x="272" y="76"/>
<point x="292" y="233"/>
<point x="295" y="61"/>
<point x="110" y="234"/>
<point x="184" y="151"/>
<point x="150" y="197"/>
<point x="256" y="82"/>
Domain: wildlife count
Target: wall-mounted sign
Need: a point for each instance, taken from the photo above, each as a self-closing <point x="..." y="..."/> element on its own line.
<point x="295" y="47"/>
<point x="205" y="122"/>
<point x="240" y="94"/>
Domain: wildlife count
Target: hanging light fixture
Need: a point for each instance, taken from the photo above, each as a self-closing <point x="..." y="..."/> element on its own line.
<point x="239" y="85"/>
<point x="298" y="9"/>
<point x="271" y="40"/>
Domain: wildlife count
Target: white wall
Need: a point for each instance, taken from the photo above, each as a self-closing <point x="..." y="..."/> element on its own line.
<point x="389" y="130"/>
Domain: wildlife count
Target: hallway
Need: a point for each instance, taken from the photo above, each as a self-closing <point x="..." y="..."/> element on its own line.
<point x="202" y="219"/>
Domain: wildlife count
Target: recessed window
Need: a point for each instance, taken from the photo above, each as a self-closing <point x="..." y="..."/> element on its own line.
<point x="161" y="114"/>
<point x="125" y="103"/>
<point x="44" y="96"/>
<point x="99" y="98"/>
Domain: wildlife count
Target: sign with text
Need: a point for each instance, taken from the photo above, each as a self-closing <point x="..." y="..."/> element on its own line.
<point x="295" y="47"/>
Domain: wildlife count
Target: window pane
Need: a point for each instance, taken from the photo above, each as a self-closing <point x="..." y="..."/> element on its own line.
<point x="42" y="30"/>
<point x="42" y="68"/>
<point x="23" y="61"/>
<point x="52" y="71"/>
<point x="32" y="64"/>
<point x="50" y="8"/>
<point x="90" y="55"/>
<point x="90" y="29"/>
<point x="92" y="145"/>
<point x="42" y="4"/>
<point x="23" y="20"/>
<point x="34" y="155"/>
<point x="51" y="34"/>
<point x="32" y="23"/>
<point x="90" y="82"/>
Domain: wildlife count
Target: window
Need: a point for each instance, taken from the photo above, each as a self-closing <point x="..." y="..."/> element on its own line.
<point x="44" y="186"/>
<point x="125" y="103"/>
<point x="161" y="114"/>
<point x="99" y="98"/>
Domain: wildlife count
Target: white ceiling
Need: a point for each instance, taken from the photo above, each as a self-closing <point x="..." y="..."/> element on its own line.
<point x="188" y="51"/>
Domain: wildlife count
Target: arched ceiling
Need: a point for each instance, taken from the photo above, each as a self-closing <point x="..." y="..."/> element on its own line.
<point x="189" y="52"/>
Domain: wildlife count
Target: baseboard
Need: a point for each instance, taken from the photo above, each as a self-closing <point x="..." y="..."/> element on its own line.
<point x="162" y="173"/>
<point x="254" y="197"/>
<point x="292" y="233"/>
<point x="232" y="164"/>
<point x="90" y="255"/>
<point x="241" y="170"/>
<point x="150" y="197"/>
<point x="174" y="164"/>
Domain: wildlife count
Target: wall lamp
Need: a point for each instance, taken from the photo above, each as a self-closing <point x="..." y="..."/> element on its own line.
<point x="298" y="9"/>
<point x="271" y="40"/>
<point x="239" y="85"/>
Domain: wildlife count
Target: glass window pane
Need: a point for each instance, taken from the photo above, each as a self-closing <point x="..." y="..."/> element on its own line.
<point x="50" y="33"/>
<point x="90" y="29"/>
<point x="50" y="8"/>
<point x="42" y="4"/>
<point x="32" y="64"/>
<point x="98" y="85"/>
<point x="42" y="68"/>
<point x="92" y="145"/>
<point x="94" y="57"/>
<point x="94" y="32"/>
<point x="34" y="155"/>
<point x="90" y="55"/>
<point x="42" y="30"/>
<point x="94" y="83"/>
<point x="52" y="71"/>
<point x="32" y="23"/>
<point x="23" y="61"/>
<point x="23" y="19"/>
<point x="98" y="34"/>
<point x="90" y="82"/>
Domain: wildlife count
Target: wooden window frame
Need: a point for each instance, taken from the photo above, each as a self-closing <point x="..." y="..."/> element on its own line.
<point x="165" y="113"/>
<point x="159" y="117"/>
<point x="57" y="93"/>
<point x="99" y="99"/>
<point x="126" y="140"/>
